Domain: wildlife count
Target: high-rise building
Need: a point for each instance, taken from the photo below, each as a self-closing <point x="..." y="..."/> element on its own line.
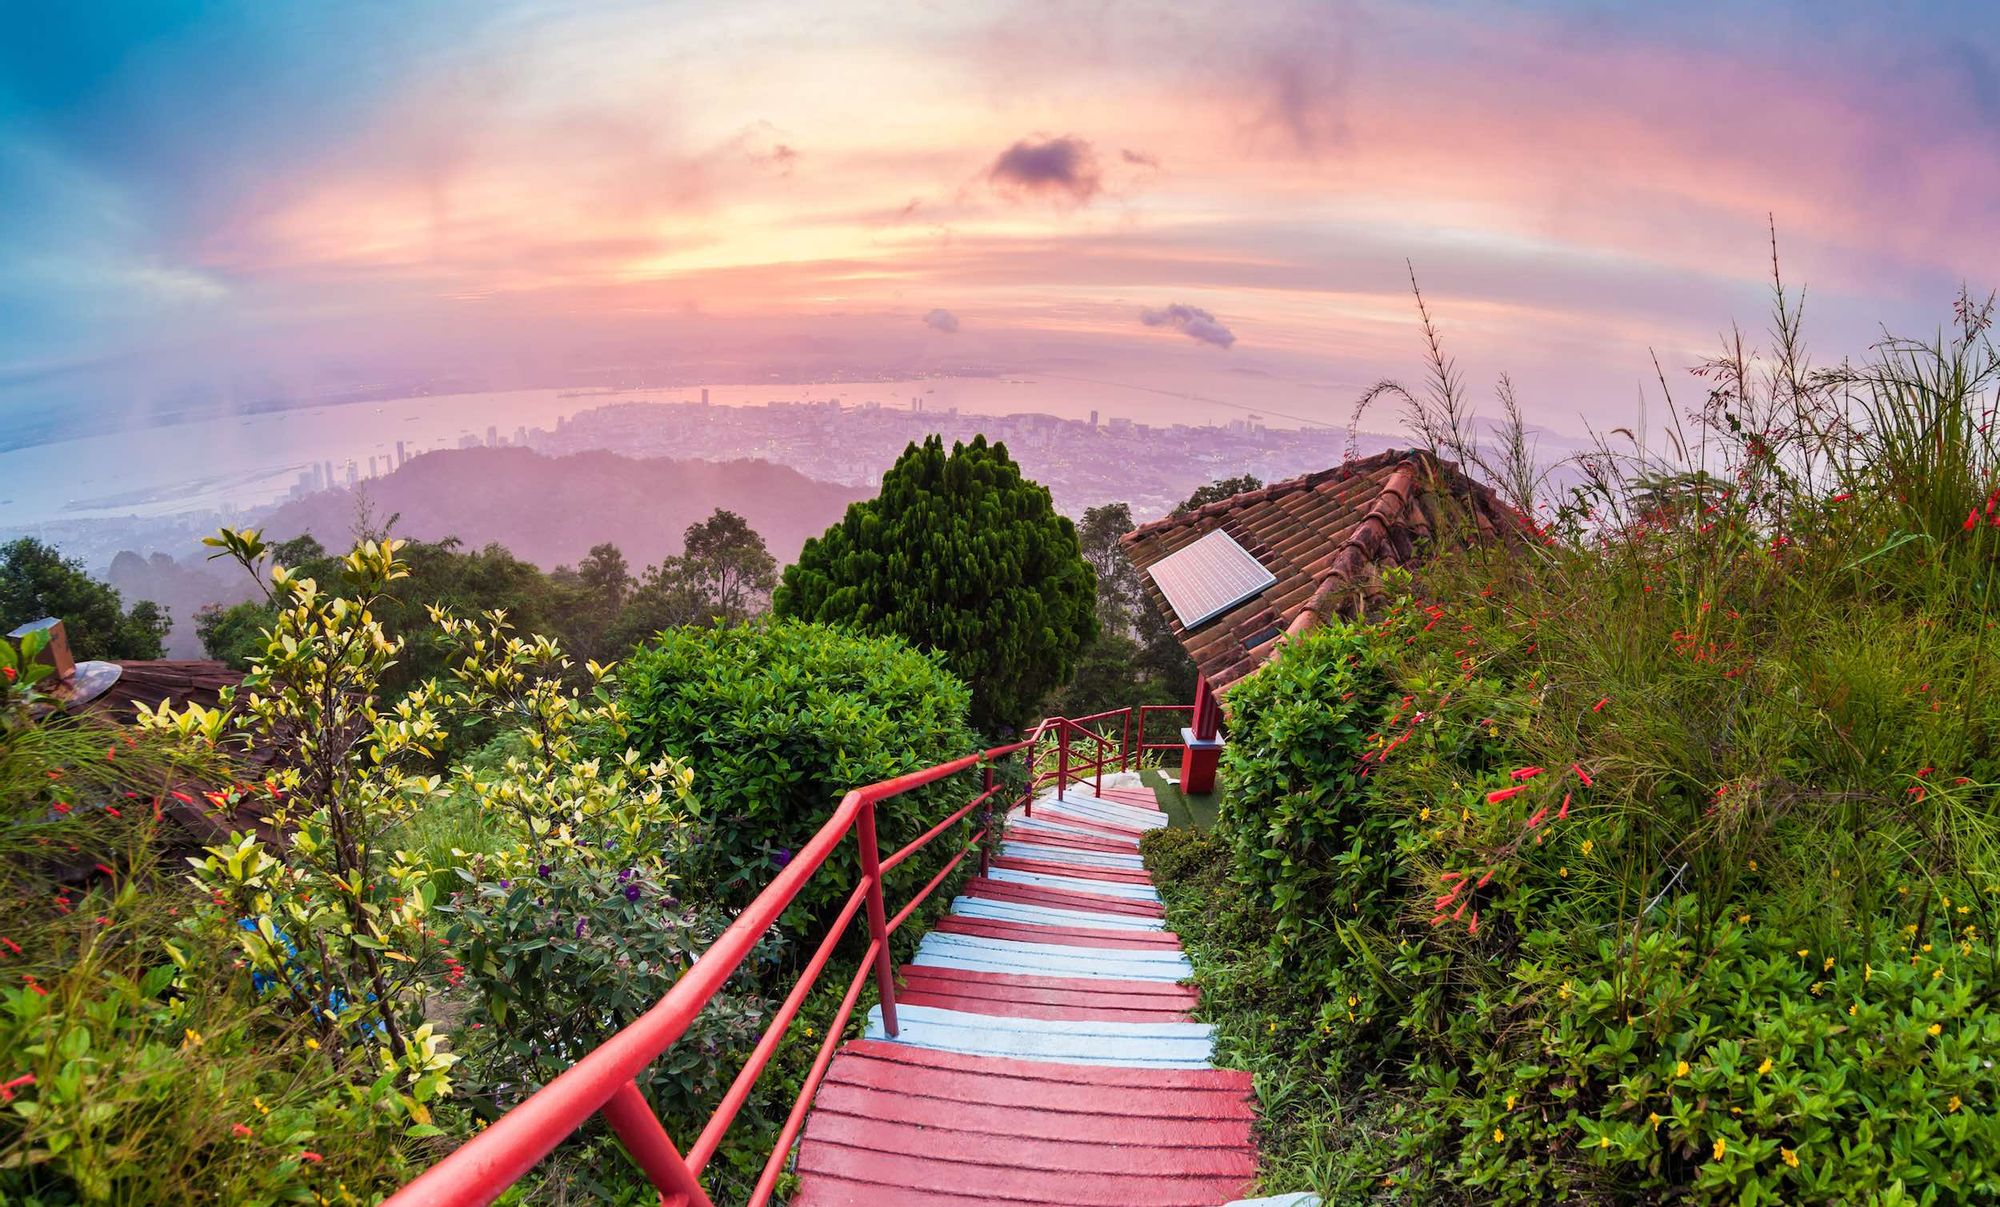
<point x="1093" y="419"/>
<point x="492" y="436"/>
<point x="704" y="396"/>
<point x="401" y="456"/>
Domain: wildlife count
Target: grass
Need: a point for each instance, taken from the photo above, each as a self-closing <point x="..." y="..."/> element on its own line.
<point x="1182" y="808"/>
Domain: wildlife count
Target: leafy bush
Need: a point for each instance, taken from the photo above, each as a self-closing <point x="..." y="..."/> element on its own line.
<point x="1665" y="865"/>
<point x="783" y="719"/>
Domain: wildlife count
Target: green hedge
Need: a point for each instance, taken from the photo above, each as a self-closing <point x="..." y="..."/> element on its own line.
<point x="780" y="719"/>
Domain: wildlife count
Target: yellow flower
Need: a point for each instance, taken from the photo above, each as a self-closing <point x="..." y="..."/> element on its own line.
<point x="1903" y="889"/>
<point x="312" y="1045"/>
<point x="1936" y="973"/>
<point x="191" y="1038"/>
<point x="1753" y="865"/>
<point x="1953" y="1105"/>
<point x="1654" y="1119"/>
<point x="1927" y="947"/>
<point x="1563" y="872"/>
<point x="1585" y="848"/>
<point x="1867" y="973"/>
<point x="1828" y="965"/>
<point x="1604" y="1141"/>
<point x="1499" y="1137"/>
<point x="1425" y="815"/>
<point x="1803" y="953"/>
<point x="1510" y="1102"/>
<point x="1765" y="1067"/>
<point x="1789" y="1157"/>
<point x="1681" y="1069"/>
<point x="1852" y="1010"/>
<point x="1743" y="919"/>
<point x="1721" y="1146"/>
<point x="1935" y="1030"/>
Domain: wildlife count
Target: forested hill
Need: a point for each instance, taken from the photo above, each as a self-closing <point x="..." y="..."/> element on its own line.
<point x="551" y="510"/>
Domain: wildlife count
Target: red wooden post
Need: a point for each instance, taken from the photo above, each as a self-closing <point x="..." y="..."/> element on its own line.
<point x="1201" y="749"/>
<point x="639" y="1129"/>
<point x="878" y="919"/>
<point x="986" y="822"/>
<point x="1062" y="758"/>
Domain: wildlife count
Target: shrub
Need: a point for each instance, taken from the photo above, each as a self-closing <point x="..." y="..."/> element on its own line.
<point x="962" y="555"/>
<point x="783" y="719"/>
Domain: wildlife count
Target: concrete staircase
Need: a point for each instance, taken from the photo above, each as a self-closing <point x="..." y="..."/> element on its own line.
<point x="1046" y="1055"/>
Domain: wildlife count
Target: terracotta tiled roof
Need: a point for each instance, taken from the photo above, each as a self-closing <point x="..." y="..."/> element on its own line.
<point x="150" y="682"/>
<point x="1326" y="536"/>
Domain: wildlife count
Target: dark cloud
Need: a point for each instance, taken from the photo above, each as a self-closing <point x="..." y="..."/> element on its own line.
<point x="1301" y="82"/>
<point x="1062" y="168"/>
<point x="1139" y="159"/>
<point x="941" y="320"/>
<point x="1191" y="321"/>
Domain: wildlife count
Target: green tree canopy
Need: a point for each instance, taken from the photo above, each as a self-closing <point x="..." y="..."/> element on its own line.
<point x="1215" y="492"/>
<point x="37" y="581"/>
<point x="962" y="555"/>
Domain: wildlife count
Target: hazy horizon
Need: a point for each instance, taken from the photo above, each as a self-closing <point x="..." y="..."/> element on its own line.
<point x="211" y="208"/>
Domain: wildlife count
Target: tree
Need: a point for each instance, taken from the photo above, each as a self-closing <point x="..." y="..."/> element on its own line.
<point x="725" y="559"/>
<point x="590" y="598"/>
<point x="37" y="581"/>
<point x="1215" y="492"/>
<point x="1135" y="658"/>
<point x="235" y="634"/>
<point x="962" y="555"/>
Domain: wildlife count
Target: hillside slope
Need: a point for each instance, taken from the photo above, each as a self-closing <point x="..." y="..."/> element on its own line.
<point x="551" y="510"/>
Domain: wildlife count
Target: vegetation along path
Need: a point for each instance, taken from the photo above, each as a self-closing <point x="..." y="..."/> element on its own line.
<point x="1046" y="1052"/>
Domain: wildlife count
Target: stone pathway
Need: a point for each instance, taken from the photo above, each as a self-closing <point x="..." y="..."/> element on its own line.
<point x="1047" y="1055"/>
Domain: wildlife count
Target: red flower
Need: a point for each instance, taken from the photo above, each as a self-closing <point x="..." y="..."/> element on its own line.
<point x="311" y="1156"/>
<point x="1526" y="773"/>
<point x="1564" y="811"/>
<point x="1536" y="820"/>
<point x="1583" y="776"/>
<point x="1499" y="794"/>
<point x="1971" y="521"/>
<point x="7" y="1089"/>
<point x="7" y="671"/>
<point x="239" y="1129"/>
<point x="1599" y="706"/>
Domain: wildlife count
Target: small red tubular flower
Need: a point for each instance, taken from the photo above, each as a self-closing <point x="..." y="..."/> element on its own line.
<point x="311" y="1156"/>
<point x="1500" y="794"/>
<point x="1599" y="706"/>
<point x="1583" y="776"/>
<point x="7" y="1089"/>
<point x="1564" y="811"/>
<point x="239" y="1130"/>
<point x="1527" y="773"/>
<point x="1472" y="927"/>
<point x="1971" y="521"/>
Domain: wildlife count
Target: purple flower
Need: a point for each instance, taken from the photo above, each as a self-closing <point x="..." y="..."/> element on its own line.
<point x="579" y="928"/>
<point x="624" y="875"/>
<point x="543" y="870"/>
<point x="506" y="884"/>
<point x="782" y="856"/>
<point x="631" y="892"/>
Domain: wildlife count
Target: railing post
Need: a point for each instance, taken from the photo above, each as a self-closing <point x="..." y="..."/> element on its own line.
<point x="639" y="1130"/>
<point x="1063" y="760"/>
<point x="1097" y="748"/>
<point x="986" y="822"/>
<point x="878" y="917"/>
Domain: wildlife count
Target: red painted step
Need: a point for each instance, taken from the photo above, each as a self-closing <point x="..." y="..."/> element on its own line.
<point x="1009" y="1184"/>
<point x="930" y="1066"/>
<point x="1091" y="823"/>
<point x="1138" y="798"/>
<point x="1129" y="1153"/>
<point x="1088" y="1127"/>
<point x="1062" y="898"/>
<point x="1075" y="842"/>
<point x="1074" y="870"/>
<point x="1067" y="936"/>
<point x="1049" y="990"/>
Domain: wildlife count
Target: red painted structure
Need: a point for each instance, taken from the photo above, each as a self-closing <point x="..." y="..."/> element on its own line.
<point x="602" y="1082"/>
<point x="1201" y="748"/>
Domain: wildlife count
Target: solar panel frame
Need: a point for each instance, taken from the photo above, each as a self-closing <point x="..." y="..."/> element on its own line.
<point x="1209" y="577"/>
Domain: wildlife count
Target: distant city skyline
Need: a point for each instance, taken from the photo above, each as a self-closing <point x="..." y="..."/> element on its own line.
<point x="226" y="206"/>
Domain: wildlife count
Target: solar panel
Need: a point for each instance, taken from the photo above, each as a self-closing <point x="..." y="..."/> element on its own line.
<point x="1208" y="578"/>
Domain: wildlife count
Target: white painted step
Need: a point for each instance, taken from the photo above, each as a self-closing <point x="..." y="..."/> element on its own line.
<point x="977" y="953"/>
<point x="1066" y="1041"/>
<point x="1072" y="856"/>
<point x="1048" y="915"/>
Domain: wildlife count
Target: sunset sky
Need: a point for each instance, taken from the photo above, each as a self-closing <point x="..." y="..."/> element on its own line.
<point x="221" y="203"/>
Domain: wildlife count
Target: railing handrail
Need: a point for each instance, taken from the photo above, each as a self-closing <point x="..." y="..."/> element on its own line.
<point x="603" y="1081"/>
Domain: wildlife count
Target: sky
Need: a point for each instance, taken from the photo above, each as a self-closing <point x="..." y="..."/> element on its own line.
<point x="218" y="205"/>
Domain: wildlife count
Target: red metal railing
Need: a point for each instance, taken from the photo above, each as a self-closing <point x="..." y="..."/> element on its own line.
<point x="1146" y="713"/>
<point x="603" y="1082"/>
